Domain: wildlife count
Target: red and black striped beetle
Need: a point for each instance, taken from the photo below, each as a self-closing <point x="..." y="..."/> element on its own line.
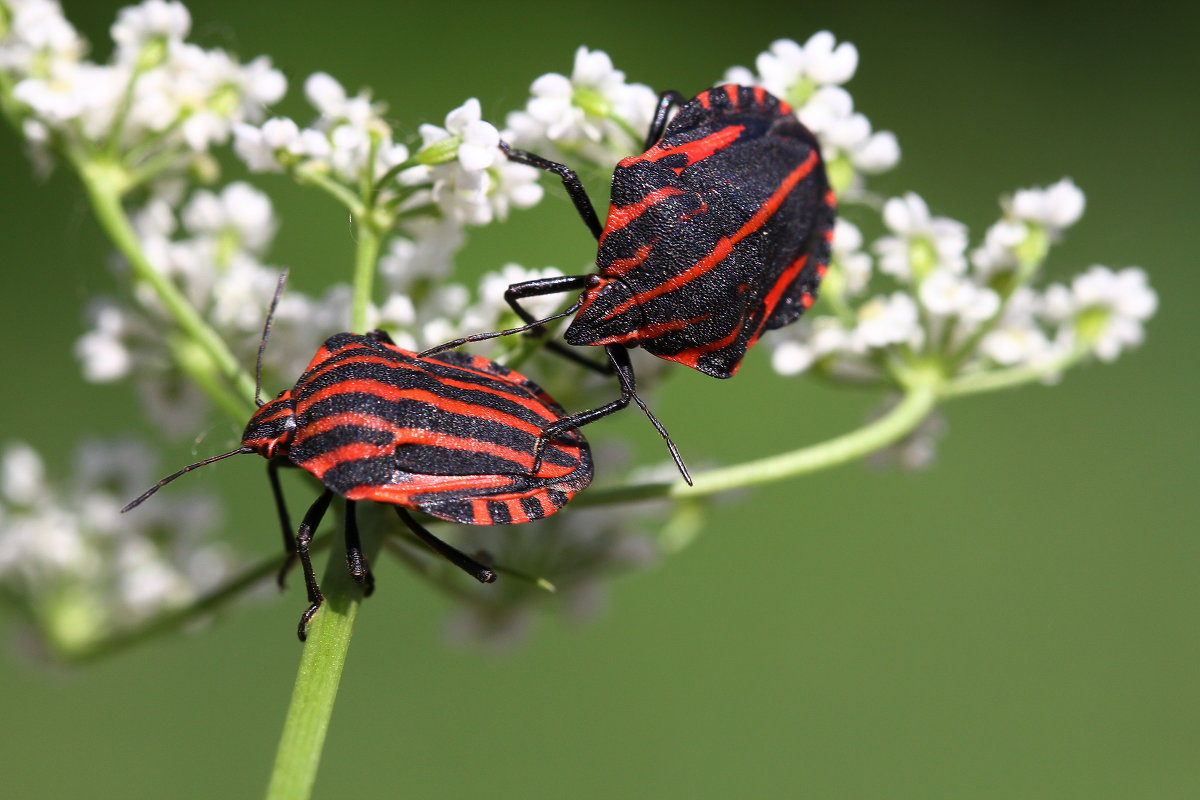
<point x="451" y="435"/>
<point x="719" y="231"/>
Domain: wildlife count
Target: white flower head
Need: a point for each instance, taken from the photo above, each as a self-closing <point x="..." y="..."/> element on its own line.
<point x="330" y="99"/>
<point x="38" y="34"/>
<point x="146" y="22"/>
<point x="821" y="337"/>
<point x="921" y="242"/>
<point x="239" y="210"/>
<point x="1110" y="308"/>
<point x="580" y="112"/>
<point x="791" y="72"/>
<point x="946" y="293"/>
<point x="1055" y="208"/>
<point x="884" y="321"/>
<point x="848" y="254"/>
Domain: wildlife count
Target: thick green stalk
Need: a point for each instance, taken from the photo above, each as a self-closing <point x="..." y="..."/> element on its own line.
<point x="313" y="696"/>
<point x="104" y="183"/>
<point x="366" y="256"/>
<point x="919" y="399"/>
<point x="328" y="641"/>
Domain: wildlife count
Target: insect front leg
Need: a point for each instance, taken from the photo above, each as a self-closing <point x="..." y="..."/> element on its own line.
<point x="535" y="288"/>
<point x="285" y="523"/>
<point x="659" y="124"/>
<point x="571" y="182"/>
<point x="304" y="536"/>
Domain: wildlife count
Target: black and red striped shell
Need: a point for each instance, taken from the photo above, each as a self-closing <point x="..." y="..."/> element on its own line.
<point x="718" y="232"/>
<point x="451" y="435"/>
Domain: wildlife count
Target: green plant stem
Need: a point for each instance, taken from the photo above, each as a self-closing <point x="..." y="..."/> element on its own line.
<point x="918" y="400"/>
<point x="365" y="257"/>
<point x="104" y="183"/>
<point x="995" y="380"/>
<point x="304" y="729"/>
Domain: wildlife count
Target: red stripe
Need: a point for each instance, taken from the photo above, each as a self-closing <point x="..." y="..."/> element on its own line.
<point x="731" y="91"/>
<point x="691" y="356"/>
<point x="648" y="332"/>
<point x="620" y="266"/>
<point x="318" y="465"/>
<point x="772" y="300"/>
<point x="517" y="395"/>
<point x="695" y="151"/>
<point x="516" y="511"/>
<point x="393" y="394"/>
<point x="726" y="244"/>
<point x="619" y="217"/>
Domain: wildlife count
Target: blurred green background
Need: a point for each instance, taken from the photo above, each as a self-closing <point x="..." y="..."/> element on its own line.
<point x="1019" y="621"/>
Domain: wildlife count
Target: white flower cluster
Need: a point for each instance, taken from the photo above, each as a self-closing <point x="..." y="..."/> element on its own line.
<point x="458" y="168"/>
<point x="160" y="100"/>
<point x="976" y="314"/>
<point x="810" y="78"/>
<point x="211" y="249"/>
<point x="82" y="568"/>
<point x="594" y="115"/>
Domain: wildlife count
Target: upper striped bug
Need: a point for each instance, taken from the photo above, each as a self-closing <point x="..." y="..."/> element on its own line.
<point x="453" y="436"/>
<point x="719" y="231"/>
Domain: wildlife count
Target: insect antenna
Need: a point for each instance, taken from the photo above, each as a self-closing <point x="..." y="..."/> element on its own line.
<point x="266" y="334"/>
<point x="146" y="494"/>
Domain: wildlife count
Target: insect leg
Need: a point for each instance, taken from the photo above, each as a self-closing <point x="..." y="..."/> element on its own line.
<point x="356" y="562"/>
<point x="571" y="182"/>
<point x="308" y="526"/>
<point x="285" y="523"/>
<point x="619" y="355"/>
<point x="512" y="295"/>
<point x="455" y="556"/>
<point x="659" y="123"/>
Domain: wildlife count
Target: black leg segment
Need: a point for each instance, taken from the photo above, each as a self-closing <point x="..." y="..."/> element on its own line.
<point x="285" y="523"/>
<point x="455" y="556"/>
<point x="619" y="355"/>
<point x="571" y="182"/>
<point x="356" y="562"/>
<point x="659" y="124"/>
<point x="304" y="536"/>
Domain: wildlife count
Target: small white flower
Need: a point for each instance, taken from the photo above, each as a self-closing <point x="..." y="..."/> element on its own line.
<point x="38" y="34"/>
<point x="578" y="112"/>
<point x="22" y="475"/>
<point x="1009" y="344"/>
<point x="329" y="98"/>
<point x="1112" y="307"/>
<point x="1055" y="208"/>
<point x="855" y="264"/>
<point x="428" y="254"/>
<point x="791" y="72"/>
<point x="945" y="293"/>
<point x="259" y="147"/>
<point x="480" y="141"/>
<point x="103" y="353"/>
<point x="822" y="337"/>
<point x="149" y="20"/>
<point x="240" y="210"/>
<point x="922" y="242"/>
<point x="886" y="320"/>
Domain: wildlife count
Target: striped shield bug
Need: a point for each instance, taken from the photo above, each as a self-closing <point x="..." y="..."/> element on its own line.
<point x="453" y="436"/>
<point x="719" y="231"/>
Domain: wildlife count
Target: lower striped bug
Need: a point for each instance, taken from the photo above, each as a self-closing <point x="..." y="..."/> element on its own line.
<point x="719" y="231"/>
<point x="452" y="435"/>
